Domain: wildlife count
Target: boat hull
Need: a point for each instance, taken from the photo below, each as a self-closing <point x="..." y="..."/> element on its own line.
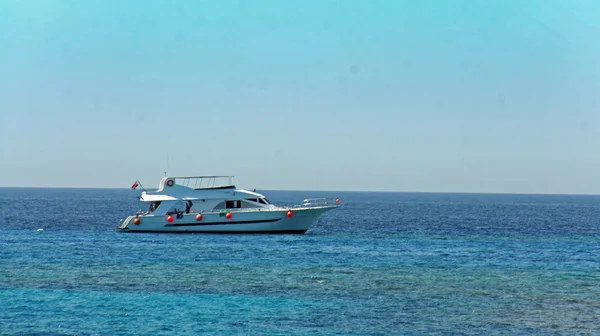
<point x="265" y="221"/>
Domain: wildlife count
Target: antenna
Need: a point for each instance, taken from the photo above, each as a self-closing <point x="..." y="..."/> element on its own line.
<point x="168" y="164"/>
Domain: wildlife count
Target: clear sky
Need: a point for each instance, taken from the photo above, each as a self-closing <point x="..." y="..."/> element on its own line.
<point x="399" y="95"/>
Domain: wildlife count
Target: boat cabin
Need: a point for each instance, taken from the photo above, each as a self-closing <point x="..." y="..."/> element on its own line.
<point x="196" y="194"/>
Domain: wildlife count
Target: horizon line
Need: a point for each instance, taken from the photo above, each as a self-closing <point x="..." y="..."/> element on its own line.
<point x="350" y="191"/>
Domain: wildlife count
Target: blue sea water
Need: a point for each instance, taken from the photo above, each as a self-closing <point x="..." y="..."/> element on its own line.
<point x="381" y="264"/>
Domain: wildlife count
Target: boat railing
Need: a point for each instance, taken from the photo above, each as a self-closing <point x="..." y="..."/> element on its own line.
<point x="318" y="202"/>
<point x="201" y="182"/>
<point x="277" y="208"/>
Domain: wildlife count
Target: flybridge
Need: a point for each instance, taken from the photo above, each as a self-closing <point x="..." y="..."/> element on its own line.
<point x="193" y="182"/>
<point x="199" y="182"/>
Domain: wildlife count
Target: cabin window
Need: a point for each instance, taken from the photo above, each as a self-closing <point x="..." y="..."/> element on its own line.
<point x="253" y="199"/>
<point x="263" y="201"/>
<point x="233" y="204"/>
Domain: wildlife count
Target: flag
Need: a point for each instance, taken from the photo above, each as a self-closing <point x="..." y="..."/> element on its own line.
<point x="134" y="185"/>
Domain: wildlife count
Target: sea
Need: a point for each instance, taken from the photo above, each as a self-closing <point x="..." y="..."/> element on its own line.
<point x="380" y="264"/>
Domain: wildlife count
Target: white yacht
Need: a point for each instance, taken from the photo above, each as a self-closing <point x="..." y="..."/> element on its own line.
<point x="212" y="204"/>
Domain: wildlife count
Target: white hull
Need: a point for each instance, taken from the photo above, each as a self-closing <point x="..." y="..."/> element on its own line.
<point x="263" y="221"/>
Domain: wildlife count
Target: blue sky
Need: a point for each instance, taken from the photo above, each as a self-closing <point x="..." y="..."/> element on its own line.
<point x="465" y="96"/>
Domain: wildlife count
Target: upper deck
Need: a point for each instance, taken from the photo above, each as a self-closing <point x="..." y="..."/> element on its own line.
<point x="197" y="182"/>
<point x="205" y="188"/>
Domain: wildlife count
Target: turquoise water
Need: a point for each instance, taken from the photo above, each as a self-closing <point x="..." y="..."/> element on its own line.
<point x="381" y="264"/>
